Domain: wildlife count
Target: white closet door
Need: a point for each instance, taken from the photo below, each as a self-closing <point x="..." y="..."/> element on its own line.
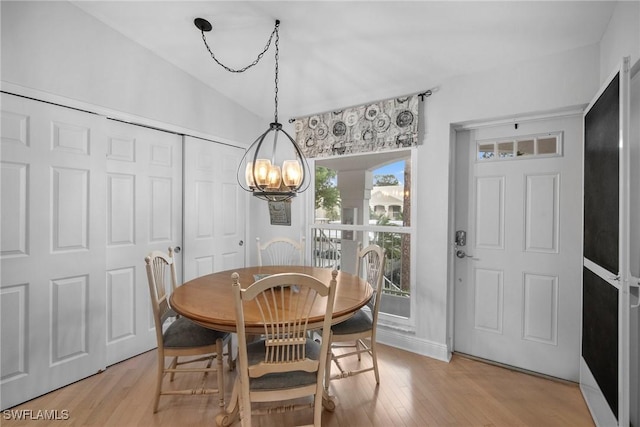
<point x="214" y="208"/>
<point x="144" y="213"/>
<point x="52" y="214"/>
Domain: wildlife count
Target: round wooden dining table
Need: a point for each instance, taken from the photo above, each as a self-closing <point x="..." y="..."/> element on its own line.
<point x="209" y="301"/>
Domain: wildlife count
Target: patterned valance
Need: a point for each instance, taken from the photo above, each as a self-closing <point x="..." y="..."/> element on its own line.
<point x="378" y="126"/>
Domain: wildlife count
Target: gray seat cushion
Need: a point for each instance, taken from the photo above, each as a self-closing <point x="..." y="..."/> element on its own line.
<point x="255" y="355"/>
<point x="184" y="333"/>
<point x="360" y="322"/>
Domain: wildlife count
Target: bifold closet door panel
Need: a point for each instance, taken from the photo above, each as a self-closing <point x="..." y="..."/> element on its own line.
<point x="214" y="208"/>
<point x="52" y="291"/>
<point x="143" y="213"/>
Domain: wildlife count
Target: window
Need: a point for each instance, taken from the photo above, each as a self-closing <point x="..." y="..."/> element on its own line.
<point x="545" y="145"/>
<point x="395" y="212"/>
<point x="379" y="210"/>
<point x="384" y="219"/>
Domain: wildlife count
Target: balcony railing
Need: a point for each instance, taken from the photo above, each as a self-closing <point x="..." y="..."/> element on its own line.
<point x="334" y="244"/>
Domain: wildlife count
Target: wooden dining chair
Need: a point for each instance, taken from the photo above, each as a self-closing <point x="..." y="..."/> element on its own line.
<point x="357" y="334"/>
<point x="284" y="363"/>
<point x="280" y="251"/>
<point x="182" y="337"/>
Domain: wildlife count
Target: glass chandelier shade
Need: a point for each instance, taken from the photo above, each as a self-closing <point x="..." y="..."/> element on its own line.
<point x="272" y="171"/>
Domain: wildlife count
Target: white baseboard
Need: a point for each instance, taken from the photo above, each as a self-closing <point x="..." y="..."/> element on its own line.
<point x="413" y="344"/>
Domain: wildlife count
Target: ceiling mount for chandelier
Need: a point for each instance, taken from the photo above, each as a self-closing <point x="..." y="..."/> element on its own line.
<point x="269" y="171"/>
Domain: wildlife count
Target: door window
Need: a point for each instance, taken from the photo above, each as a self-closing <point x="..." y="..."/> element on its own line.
<point x="544" y="145"/>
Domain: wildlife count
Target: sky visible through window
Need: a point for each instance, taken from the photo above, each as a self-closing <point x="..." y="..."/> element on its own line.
<point x="396" y="169"/>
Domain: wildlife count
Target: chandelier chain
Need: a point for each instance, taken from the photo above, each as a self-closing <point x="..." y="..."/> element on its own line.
<point x="277" y="56"/>
<point x="260" y="55"/>
<point x="269" y="181"/>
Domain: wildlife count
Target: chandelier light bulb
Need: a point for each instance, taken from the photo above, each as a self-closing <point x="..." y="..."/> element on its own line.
<point x="292" y="173"/>
<point x="248" y="175"/>
<point x="261" y="172"/>
<point x="274" y="178"/>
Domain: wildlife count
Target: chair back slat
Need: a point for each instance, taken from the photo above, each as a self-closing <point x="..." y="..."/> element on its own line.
<point x="161" y="274"/>
<point x="285" y="303"/>
<point x="285" y="313"/>
<point x="370" y="266"/>
<point x="280" y="251"/>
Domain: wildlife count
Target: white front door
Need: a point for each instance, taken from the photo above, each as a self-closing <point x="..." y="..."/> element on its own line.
<point x="144" y="213"/>
<point x="518" y="277"/>
<point x="214" y="208"/>
<point x="52" y="295"/>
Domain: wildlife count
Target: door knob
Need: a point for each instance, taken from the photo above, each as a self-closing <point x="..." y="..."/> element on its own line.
<point x="241" y="242"/>
<point x="177" y="249"/>
<point x="462" y="254"/>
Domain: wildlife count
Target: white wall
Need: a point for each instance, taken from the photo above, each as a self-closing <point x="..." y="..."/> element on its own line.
<point x="550" y="83"/>
<point x="560" y="81"/>
<point x="56" y="48"/>
<point x="555" y="82"/>
<point x="260" y="223"/>
<point x="621" y="39"/>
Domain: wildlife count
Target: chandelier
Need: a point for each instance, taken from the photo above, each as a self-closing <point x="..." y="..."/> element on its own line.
<point x="268" y="170"/>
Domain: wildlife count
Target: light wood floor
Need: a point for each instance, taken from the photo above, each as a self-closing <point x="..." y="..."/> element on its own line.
<point x="414" y="391"/>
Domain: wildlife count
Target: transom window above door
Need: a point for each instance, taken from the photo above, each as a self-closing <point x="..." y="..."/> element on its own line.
<point x="522" y="147"/>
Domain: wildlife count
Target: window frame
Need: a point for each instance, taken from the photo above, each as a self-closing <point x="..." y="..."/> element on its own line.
<point x="535" y="138"/>
<point x="386" y="319"/>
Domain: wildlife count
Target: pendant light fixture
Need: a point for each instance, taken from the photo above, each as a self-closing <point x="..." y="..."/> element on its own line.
<point x="272" y="168"/>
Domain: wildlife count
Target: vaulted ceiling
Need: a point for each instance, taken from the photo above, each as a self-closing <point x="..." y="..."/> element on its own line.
<point x="335" y="54"/>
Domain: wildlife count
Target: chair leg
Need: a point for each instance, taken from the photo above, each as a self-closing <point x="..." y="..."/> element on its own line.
<point x="232" y="412"/>
<point x="159" y="376"/>
<point x="327" y="368"/>
<point x="174" y="364"/>
<point x="244" y="401"/>
<point x="317" y="409"/>
<point x="220" y="371"/>
<point x="230" y="360"/>
<point x="374" y="356"/>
